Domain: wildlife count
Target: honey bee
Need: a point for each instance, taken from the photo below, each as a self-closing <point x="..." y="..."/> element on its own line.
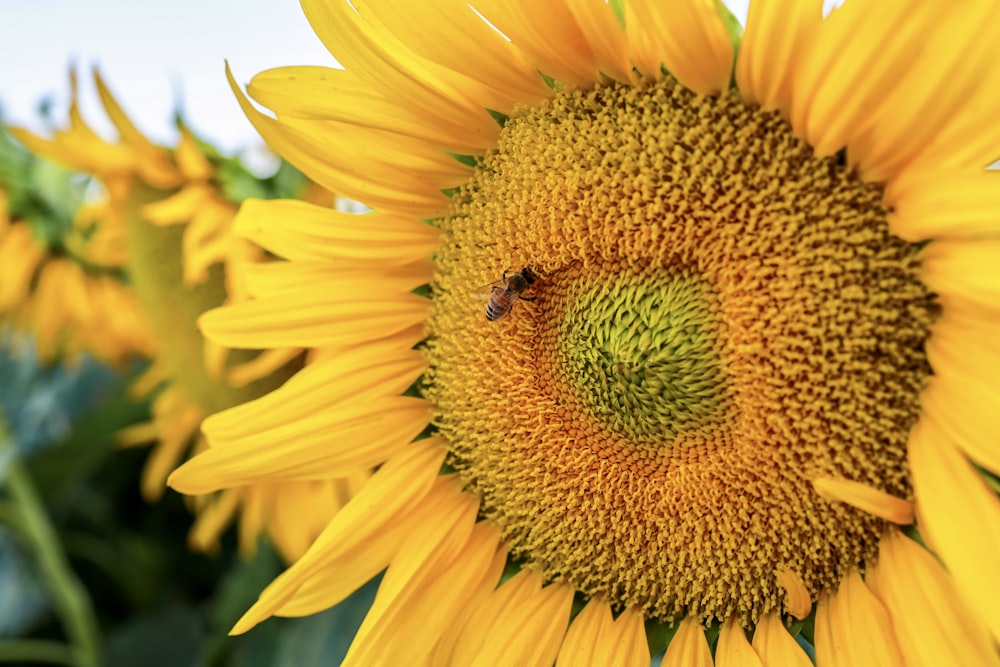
<point x="502" y="299"/>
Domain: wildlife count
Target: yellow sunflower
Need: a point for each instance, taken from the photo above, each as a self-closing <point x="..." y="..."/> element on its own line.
<point x="54" y="283"/>
<point x="743" y="295"/>
<point x="165" y="220"/>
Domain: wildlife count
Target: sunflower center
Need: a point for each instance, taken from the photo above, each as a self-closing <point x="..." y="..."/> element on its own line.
<point x="642" y="353"/>
<point x="719" y="318"/>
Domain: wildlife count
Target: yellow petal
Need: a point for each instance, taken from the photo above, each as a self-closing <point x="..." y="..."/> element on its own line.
<point x="178" y="208"/>
<point x="327" y="94"/>
<point x="775" y="645"/>
<point x="853" y="59"/>
<point x="375" y="55"/>
<point x="352" y="438"/>
<point x="866" y="498"/>
<point x="529" y="631"/>
<point x="595" y="639"/>
<point x="799" y="602"/>
<point x="964" y="273"/>
<point x="281" y="278"/>
<point x="313" y="318"/>
<point x="300" y="145"/>
<point x="932" y="623"/>
<point x="960" y="515"/>
<point x="966" y="415"/>
<point x="406" y="627"/>
<point x="963" y="397"/>
<point x="302" y="231"/>
<point x="364" y="525"/>
<point x="853" y="628"/>
<point x="548" y="35"/>
<point x="520" y="623"/>
<point x="605" y="37"/>
<point x="154" y="164"/>
<point x="949" y="64"/>
<point x="479" y="51"/>
<point x="687" y="37"/>
<point x="212" y="519"/>
<point x="778" y="33"/>
<point x="944" y="204"/>
<point x="971" y="136"/>
<point x="261" y="366"/>
<point x="689" y="647"/>
<point x="190" y="159"/>
<point x="734" y="650"/>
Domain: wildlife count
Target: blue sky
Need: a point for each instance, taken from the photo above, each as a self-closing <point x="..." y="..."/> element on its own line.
<point x="155" y="55"/>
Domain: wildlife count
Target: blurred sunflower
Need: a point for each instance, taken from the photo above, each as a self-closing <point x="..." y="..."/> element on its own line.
<point x="54" y="285"/>
<point x="760" y="335"/>
<point x="164" y="218"/>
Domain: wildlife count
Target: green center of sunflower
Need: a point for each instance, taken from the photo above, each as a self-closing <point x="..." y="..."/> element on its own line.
<point x="642" y="351"/>
<point x="719" y="318"/>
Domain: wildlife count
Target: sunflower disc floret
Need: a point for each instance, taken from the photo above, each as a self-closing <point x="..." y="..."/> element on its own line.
<point x="721" y="317"/>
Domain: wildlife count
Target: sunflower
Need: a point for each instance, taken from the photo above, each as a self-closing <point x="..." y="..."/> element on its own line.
<point x="54" y="283"/>
<point x="164" y="220"/>
<point x="737" y="399"/>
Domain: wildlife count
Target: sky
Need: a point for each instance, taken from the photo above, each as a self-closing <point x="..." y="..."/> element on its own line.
<point x="156" y="56"/>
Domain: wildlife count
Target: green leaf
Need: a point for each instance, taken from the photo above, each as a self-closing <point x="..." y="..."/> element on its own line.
<point x="171" y="636"/>
<point x="242" y="585"/>
<point x="323" y="639"/>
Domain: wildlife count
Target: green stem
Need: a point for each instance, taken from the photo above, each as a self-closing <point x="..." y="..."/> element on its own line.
<point x="70" y="598"/>
<point x="35" y="650"/>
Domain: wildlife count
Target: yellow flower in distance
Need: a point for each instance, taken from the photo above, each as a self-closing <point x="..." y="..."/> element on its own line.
<point x="755" y="343"/>
<point x="165" y="220"/>
<point x="53" y="284"/>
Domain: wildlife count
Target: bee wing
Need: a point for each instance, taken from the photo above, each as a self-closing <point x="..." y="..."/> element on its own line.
<point x="485" y="292"/>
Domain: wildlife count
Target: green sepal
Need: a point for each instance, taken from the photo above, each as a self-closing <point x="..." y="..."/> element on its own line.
<point x="500" y="117"/>
<point x="618" y="7"/>
<point x="659" y="635"/>
<point x="467" y="160"/>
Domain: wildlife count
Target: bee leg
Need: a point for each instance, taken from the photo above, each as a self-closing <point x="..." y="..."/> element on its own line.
<point x="527" y="298"/>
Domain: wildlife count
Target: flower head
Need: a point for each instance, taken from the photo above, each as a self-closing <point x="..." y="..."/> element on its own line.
<point x="733" y="379"/>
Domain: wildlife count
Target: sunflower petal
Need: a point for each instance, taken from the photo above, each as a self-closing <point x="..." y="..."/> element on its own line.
<point x="520" y="623"/>
<point x="445" y="98"/>
<point x="365" y="526"/>
<point x="299" y="144"/>
<point x="932" y="623"/>
<point x="406" y="625"/>
<point x="960" y="515"/>
<point x="687" y="37"/>
<point x="688" y="647"/>
<point x="315" y="319"/>
<point x="944" y="204"/>
<point x="854" y="629"/>
<point x="548" y="34"/>
<point x="948" y="66"/>
<point x="851" y="61"/>
<point x="964" y="273"/>
<point x="301" y="231"/>
<point x="775" y="645"/>
<point x="595" y="638"/>
<point x="777" y="33"/>
<point x="866" y="498"/>
<point x="734" y="650"/>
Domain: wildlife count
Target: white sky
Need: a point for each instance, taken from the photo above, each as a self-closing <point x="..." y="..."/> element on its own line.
<point x="156" y="55"/>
